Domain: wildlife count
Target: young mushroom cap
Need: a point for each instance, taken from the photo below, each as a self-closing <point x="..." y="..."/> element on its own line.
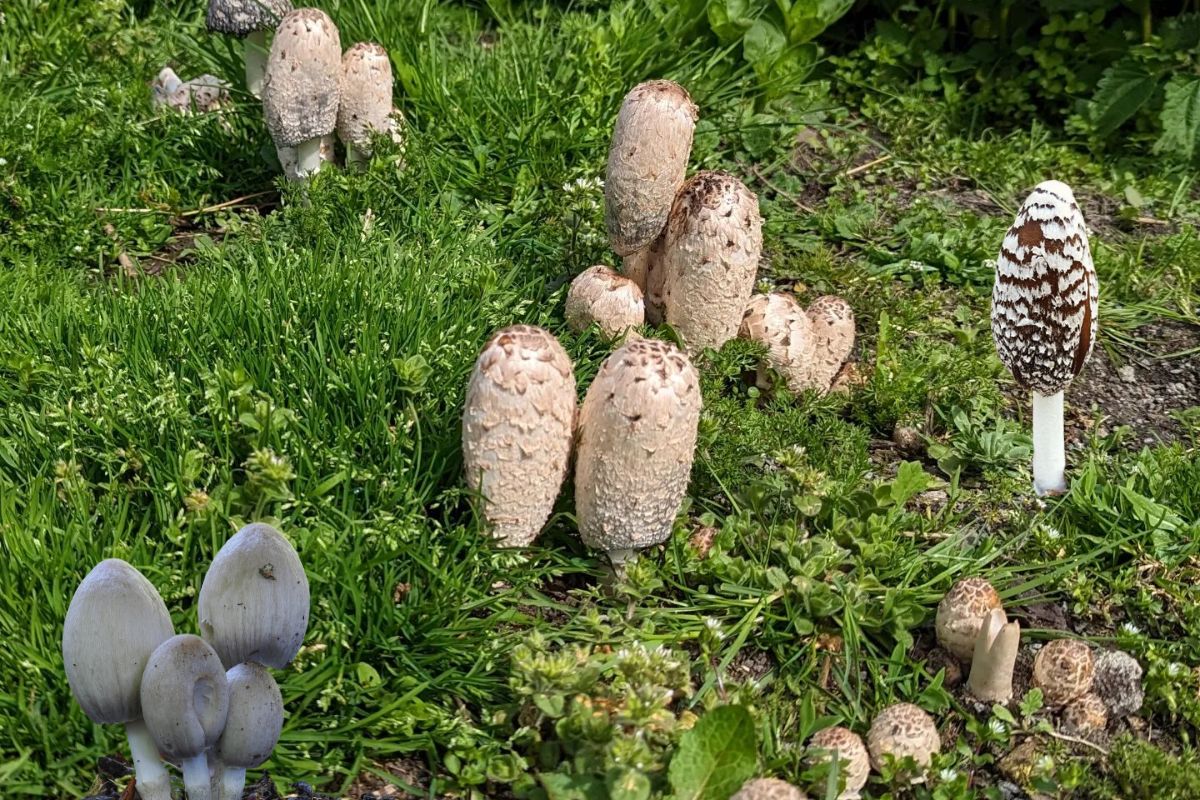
<point x="960" y="615"/>
<point x="300" y="93"/>
<point x="903" y="730"/>
<point x="637" y="437"/>
<point x="1118" y="682"/>
<point x="243" y="17"/>
<point x="833" y="331"/>
<point x="777" y="322"/>
<point x="600" y="296"/>
<point x="1063" y="670"/>
<point x="710" y="258"/>
<point x="254" y="600"/>
<point x="852" y="758"/>
<point x="252" y="727"/>
<point x="1085" y="715"/>
<point x="768" y="789"/>
<point x="517" y="428"/>
<point x="366" y="96"/>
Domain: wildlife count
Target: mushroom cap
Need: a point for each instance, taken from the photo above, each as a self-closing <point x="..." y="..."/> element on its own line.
<point x="768" y="789"/>
<point x="243" y="17"/>
<point x="777" y="322"/>
<point x="903" y="730"/>
<point x="1118" y="682"/>
<point x="185" y="698"/>
<point x="254" y="600"/>
<point x="517" y="428"/>
<point x="1085" y="714"/>
<point x="833" y="329"/>
<point x="1044" y="298"/>
<point x="366" y="96"/>
<point x="647" y="162"/>
<point x="300" y="92"/>
<point x="637" y="437"/>
<point x="960" y="615"/>
<point x="853" y="760"/>
<point x="1063" y="670"/>
<point x="114" y="623"/>
<point x="710" y="258"/>
<point x="611" y="301"/>
<point x="255" y="716"/>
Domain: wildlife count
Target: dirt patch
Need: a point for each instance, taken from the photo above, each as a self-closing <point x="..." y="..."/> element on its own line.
<point x="410" y="771"/>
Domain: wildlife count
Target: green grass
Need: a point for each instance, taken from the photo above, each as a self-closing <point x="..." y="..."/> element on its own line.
<point x="296" y="369"/>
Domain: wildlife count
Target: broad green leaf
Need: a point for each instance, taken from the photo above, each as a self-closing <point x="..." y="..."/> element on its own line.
<point x="808" y="19"/>
<point x="572" y="787"/>
<point x="628" y="784"/>
<point x="1181" y="119"/>
<point x="729" y="19"/>
<point x="763" y="45"/>
<point x="911" y="480"/>
<point x="1123" y="89"/>
<point x="716" y="756"/>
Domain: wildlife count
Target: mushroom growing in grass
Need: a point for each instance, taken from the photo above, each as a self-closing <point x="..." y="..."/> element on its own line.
<point x="1044" y="315"/>
<point x="995" y="657"/>
<point x="768" y="789"/>
<point x="115" y="622"/>
<point x="248" y="20"/>
<point x="301" y="91"/>
<point x="637" y="437"/>
<point x="1063" y="670"/>
<point x="252" y="727"/>
<point x="517" y="428"/>
<point x="903" y="730"/>
<point x="777" y="322"/>
<point x="833" y="334"/>
<point x="852" y="760"/>
<point x="960" y="615"/>
<point x="185" y="699"/>
<point x="1118" y="682"/>
<point x="710" y="258"/>
<point x="254" y="600"/>
<point x="365" y="108"/>
<point x="611" y="301"/>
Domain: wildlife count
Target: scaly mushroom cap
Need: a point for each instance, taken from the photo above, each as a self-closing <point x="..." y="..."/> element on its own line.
<point x="254" y="600"/>
<point x="852" y="757"/>
<point x="710" y="258"/>
<point x="114" y="623"/>
<point x="185" y="698"/>
<point x="1118" y="682"/>
<point x="637" y="436"/>
<point x="833" y="328"/>
<point x="777" y="322"/>
<point x="768" y="789"/>
<point x="517" y="429"/>
<point x="255" y="717"/>
<point x="1063" y="670"/>
<point x="300" y="92"/>
<point x="1044" y="298"/>
<point x="366" y="96"/>
<point x="602" y="296"/>
<point x="243" y="17"/>
<point x="903" y="730"/>
<point x="960" y="615"/>
<point x="1085" y="715"/>
<point x="647" y="162"/>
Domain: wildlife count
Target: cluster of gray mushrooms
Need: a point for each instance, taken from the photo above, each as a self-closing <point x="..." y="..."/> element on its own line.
<point x="207" y="704"/>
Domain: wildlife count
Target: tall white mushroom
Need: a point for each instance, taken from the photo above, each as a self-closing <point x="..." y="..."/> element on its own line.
<point x="995" y="658"/>
<point x="301" y="90"/>
<point x="366" y="99"/>
<point x="517" y="428"/>
<point x="249" y="20"/>
<point x="833" y="331"/>
<point x="115" y="622"/>
<point x="637" y="437"/>
<point x="252" y="727"/>
<point x="1044" y="315"/>
<point x="710" y="258"/>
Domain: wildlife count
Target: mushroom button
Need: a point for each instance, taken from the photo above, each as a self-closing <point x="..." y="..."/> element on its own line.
<point x="1118" y="682"/>
<point x="903" y="730"/>
<point x="777" y="322"/>
<point x="1063" y="670"/>
<point x="249" y="20"/>
<point x="252" y="727"/>
<point x="852" y="760"/>
<point x="833" y="333"/>
<point x="602" y="297"/>
<point x="365" y="107"/>
<point x="768" y="789"/>
<point x="960" y="615"/>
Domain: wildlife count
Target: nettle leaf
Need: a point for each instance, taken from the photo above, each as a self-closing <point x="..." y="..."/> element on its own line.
<point x="716" y="756"/>
<point x="911" y="479"/>
<point x="1123" y="89"/>
<point x="1181" y="119"/>
<point x="1181" y="33"/>
<point x="729" y="19"/>
<point x="763" y="45"/>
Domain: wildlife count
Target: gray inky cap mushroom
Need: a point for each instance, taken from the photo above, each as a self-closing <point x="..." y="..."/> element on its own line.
<point x="185" y="700"/>
<point x="517" y="428"/>
<point x="248" y="19"/>
<point x="637" y="437"/>
<point x="710" y="259"/>
<point x="768" y="789"/>
<point x="853" y="762"/>
<point x="365" y="108"/>
<point x="611" y="301"/>
<point x="777" y="322"/>
<point x="1044" y="315"/>
<point x="1063" y="670"/>
<point x="114" y="623"/>
<point x="301" y="90"/>
<point x="1118" y="682"/>
<point x="252" y="727"/>
<point x="903" y="730"/>
<point x="254" y="600"/>
<point x="960" y="615"/>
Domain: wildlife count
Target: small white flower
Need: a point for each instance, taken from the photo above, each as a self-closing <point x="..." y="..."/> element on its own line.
<point x="948" y="774"/>
<point x="3" y="161"/>
<point x="997" y="726"/>
<point x="1176" y="669"/>
<point x="714" y="626"/>
<point x="77" y="249"/>
<point x="1131" y="629"/>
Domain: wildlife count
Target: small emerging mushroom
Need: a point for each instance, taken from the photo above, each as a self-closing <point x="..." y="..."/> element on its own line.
<point x="254" y="600"/>
<point x="710" y="259"/>
<point x="611" y="301"/>
<point x="252" y="727"/>
<point x="768" y="789"/>
<point x="201" y="95"/>
<point x="1044" y="315"/>
<point x="995" y="658"/>
<point x="1063" y="670"/>
<point x="517" y="428"/>
<point x="777" y="322"/>
<point x="637" y="437"/>
<point x="115" y="622"/>
<point x="366" y="99"/>
<point x="185" y="700"/>
<point x="1118" y="682"/>
<point x="249" y="20"/>
<point x="833" y="331"/>
<point x="852" y="759"/>
<point x="301" y="91"/>
<point x="960" y="615"/>
<point x="903" y="730"/>
<point x="1085" y="715"/>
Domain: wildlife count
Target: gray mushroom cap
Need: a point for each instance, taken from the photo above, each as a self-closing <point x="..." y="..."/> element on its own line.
<point x="301" y="89"/>
<point x="254" y="600"/>
<point x="243" y="17"/>
<point x="114" y="623"/>
<point x="185" y="698"/>
<point x="255" y="716"/>
<point x="366" y="95"/>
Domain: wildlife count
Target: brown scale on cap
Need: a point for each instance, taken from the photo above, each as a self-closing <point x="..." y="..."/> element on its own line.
<point x="960" y="615"/>
<point x="903" y="730"/>
<point x="611" y="301"/>
<point x="1063" y="670"/>
<point x="853" y="760"/>
<point x="768" y="789"/>
<point x="1085" y="715"/>
<point x="1044" y="298"/>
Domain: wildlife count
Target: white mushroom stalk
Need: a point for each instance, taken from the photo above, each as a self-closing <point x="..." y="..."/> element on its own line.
<point x="365" y="108"/>
<point x="249" y="20"/>
<point x="1044" y="315"/>
<point x="252" y="727"/>
<point x="995" y="657"/>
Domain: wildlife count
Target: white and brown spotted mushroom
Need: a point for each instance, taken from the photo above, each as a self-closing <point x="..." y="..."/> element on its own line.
<point x="903" y="730"/>
<point x="365" y="108"/>
<point x="768" y="789"/>
<point x="1063" y="670"/>
<point x="960" y="615"/>
<point x="1086" y="715"/>
<point x="599" y="296"/>
<point x="777" y="322"/>
<point x="833" y="334"/>
<point x="853" y="761"/>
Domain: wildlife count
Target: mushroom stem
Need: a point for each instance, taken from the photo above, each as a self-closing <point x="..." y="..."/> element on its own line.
<point x="233" y="782"/>
<point x="354" y="155"/>
<point x="216" y="772"/>
<point x="1049" y="457"/>
<point x="256" y="61"/>
<point x="196" y="778"/>
<point x="153" y="780"/>
<point x="991" y="678"/>
<point x="308" y="157"/>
